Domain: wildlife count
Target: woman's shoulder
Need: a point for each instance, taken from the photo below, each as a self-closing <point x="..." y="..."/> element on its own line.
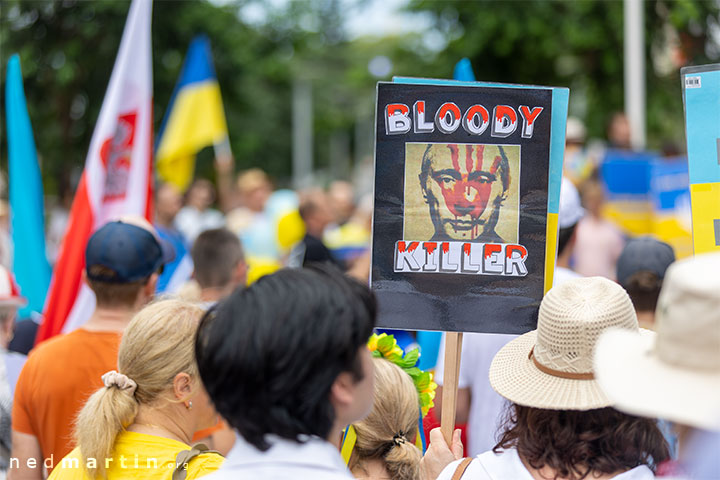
<point x="490" y="466"/>
<point x="71" y="467"/>
<point x="204" y="464"/>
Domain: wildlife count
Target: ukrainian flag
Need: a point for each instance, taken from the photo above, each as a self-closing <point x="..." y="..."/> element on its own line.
<point x="195" y="118"/>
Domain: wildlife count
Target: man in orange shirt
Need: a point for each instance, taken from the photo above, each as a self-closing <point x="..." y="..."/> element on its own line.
<point x="122" y="260"/>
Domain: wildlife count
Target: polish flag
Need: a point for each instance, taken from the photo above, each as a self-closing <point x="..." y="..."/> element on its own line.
<point x="117" y="179"/>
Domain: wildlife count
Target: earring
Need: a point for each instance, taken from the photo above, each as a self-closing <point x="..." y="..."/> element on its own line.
<point x="188" y="405"/>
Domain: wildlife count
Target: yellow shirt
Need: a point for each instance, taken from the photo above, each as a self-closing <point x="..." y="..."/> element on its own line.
<point x="138" y="456"/>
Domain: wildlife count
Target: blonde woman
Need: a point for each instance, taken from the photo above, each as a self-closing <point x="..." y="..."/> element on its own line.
<point x="385" y="446"/>
<point x="145" y="415"/>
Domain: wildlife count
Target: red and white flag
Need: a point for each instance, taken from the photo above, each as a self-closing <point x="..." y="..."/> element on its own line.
<point x="117" y="179"/>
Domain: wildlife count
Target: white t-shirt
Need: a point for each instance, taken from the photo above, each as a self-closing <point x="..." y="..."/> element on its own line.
<point x="563" y="275"/>
<point x="507" y="465"/>
<point x="192" y="222"/>
<point x="486" y="406"/>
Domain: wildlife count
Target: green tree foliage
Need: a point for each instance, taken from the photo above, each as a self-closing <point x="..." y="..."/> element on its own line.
<point x="579" y="44"/>
<point x="68" y="48"/>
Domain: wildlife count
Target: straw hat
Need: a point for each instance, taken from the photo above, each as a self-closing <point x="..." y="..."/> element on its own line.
<point x="552" y="367"/>
<point x="676" y="376"/>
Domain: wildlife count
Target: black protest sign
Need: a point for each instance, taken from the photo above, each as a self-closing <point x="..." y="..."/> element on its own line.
<point x="461" y="206"/>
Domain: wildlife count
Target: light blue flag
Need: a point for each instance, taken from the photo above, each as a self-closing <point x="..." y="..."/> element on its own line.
<point x="463" y="71"/>
<point x="27" y="219"/>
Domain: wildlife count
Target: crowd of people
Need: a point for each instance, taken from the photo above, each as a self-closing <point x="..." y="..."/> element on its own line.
<point x="236" y="343"/>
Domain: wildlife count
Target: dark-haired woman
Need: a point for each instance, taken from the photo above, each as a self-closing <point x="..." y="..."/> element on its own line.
<point x="560" y="425"/>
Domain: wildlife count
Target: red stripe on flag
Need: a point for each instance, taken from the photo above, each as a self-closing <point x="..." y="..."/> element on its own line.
<point x="67" y="275"/>
<point x="149" y="205"/>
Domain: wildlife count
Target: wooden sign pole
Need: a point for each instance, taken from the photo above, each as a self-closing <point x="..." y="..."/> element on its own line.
<point x="453" y="349"/>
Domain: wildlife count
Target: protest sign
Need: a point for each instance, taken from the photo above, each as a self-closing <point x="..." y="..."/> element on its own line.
<point x="701" y="97"/>
<point x="462" y="214"/>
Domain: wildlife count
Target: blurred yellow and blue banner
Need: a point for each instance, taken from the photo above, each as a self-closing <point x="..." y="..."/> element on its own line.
<point x="649" y="195"/>
<point x="30" y="265"/>
<point x="194" y="119"/>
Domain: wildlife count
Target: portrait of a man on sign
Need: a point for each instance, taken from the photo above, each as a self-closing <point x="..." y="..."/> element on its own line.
<point x="462" y="192"/>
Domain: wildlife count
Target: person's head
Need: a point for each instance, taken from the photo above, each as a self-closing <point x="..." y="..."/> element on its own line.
<point x="619" y="131"/>
<point x="122" y="260"/>
<point x="156" y="372"/>
<point x="593" y="197"/>
<point x="255" y="188"/>
<point x="287" y="356"/>
<point x="218" y="259"/>
<point x="570" y="212"/>
<point x="342" y="200"/>
<point x="641" y="268"/>
<point x="387" y="434"/>
<point x="201" y="194"/>
<point x="575" y="132"/>
<point x="10" y="301"/>
<point x="575" y="443"/>
<point x="168" y="202"/>
<point x="315" y="211"/>
<point x="675" y="374"/>
<point x="548" y="375"/>
<point x="464" y="187"/>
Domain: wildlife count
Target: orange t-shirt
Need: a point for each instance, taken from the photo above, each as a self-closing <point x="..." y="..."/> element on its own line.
<point x="58" y="377"/>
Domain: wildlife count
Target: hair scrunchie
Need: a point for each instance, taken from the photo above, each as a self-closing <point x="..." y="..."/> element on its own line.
<point x="117" y="379"/>
<point x="399" y="438"/>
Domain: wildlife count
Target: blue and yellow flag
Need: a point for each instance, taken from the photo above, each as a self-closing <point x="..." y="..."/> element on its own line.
<point x="194" y="119"/>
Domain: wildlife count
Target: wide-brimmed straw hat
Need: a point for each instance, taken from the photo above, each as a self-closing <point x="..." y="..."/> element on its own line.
<point x="676" y="375"/>
<point x="552" y="367"/>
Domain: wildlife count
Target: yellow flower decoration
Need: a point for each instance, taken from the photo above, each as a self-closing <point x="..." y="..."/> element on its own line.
<point x="385" y="346"/>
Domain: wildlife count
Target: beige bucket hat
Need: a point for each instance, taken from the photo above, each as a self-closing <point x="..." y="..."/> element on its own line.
<point x="676" y="375"/>
<point x="552" y="367"/>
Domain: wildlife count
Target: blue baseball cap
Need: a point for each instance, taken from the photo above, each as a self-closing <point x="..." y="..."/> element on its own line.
<point x="644" y="254"/>
<point x="128" y="253"/>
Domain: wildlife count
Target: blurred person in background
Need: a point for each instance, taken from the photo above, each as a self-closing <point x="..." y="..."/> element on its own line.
<point x="315" y="212"/>
<point x="342" y="201"/>
<point x="6" y="244"/>
<point x="219" y="264"/>
<point x="350" y="241"/>
<point x="570" y="214"/>
<point x="640" y="270"/>
<point x="197" y="216"/>
<point x="577" y="164"/>
<point x="58" y="217"/>
<point x="385" y="446"/>
<point x="298" y="372"/>
<point x="674" y="375"/>
<point x="598" y="242"/>
<point x="253" y="190"/>
<point x="145" y="414"/>
<point x="168" y="202"/>
<point x="122" y="259"/>
<point x="618" y="132"/>
<point x="11" y="362"/>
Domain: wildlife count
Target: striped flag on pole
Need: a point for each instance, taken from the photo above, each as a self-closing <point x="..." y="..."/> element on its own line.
<point x="117" y="179"/>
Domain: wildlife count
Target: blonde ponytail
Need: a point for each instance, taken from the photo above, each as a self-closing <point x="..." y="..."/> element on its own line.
<point x="389" y="432"/>
<point x="106" y="413"/>
<point x="403" y="461"/>
<point x="156" y="346"/>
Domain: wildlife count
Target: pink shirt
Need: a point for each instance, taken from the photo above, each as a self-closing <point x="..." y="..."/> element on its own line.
<point x="597" y="248"/>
